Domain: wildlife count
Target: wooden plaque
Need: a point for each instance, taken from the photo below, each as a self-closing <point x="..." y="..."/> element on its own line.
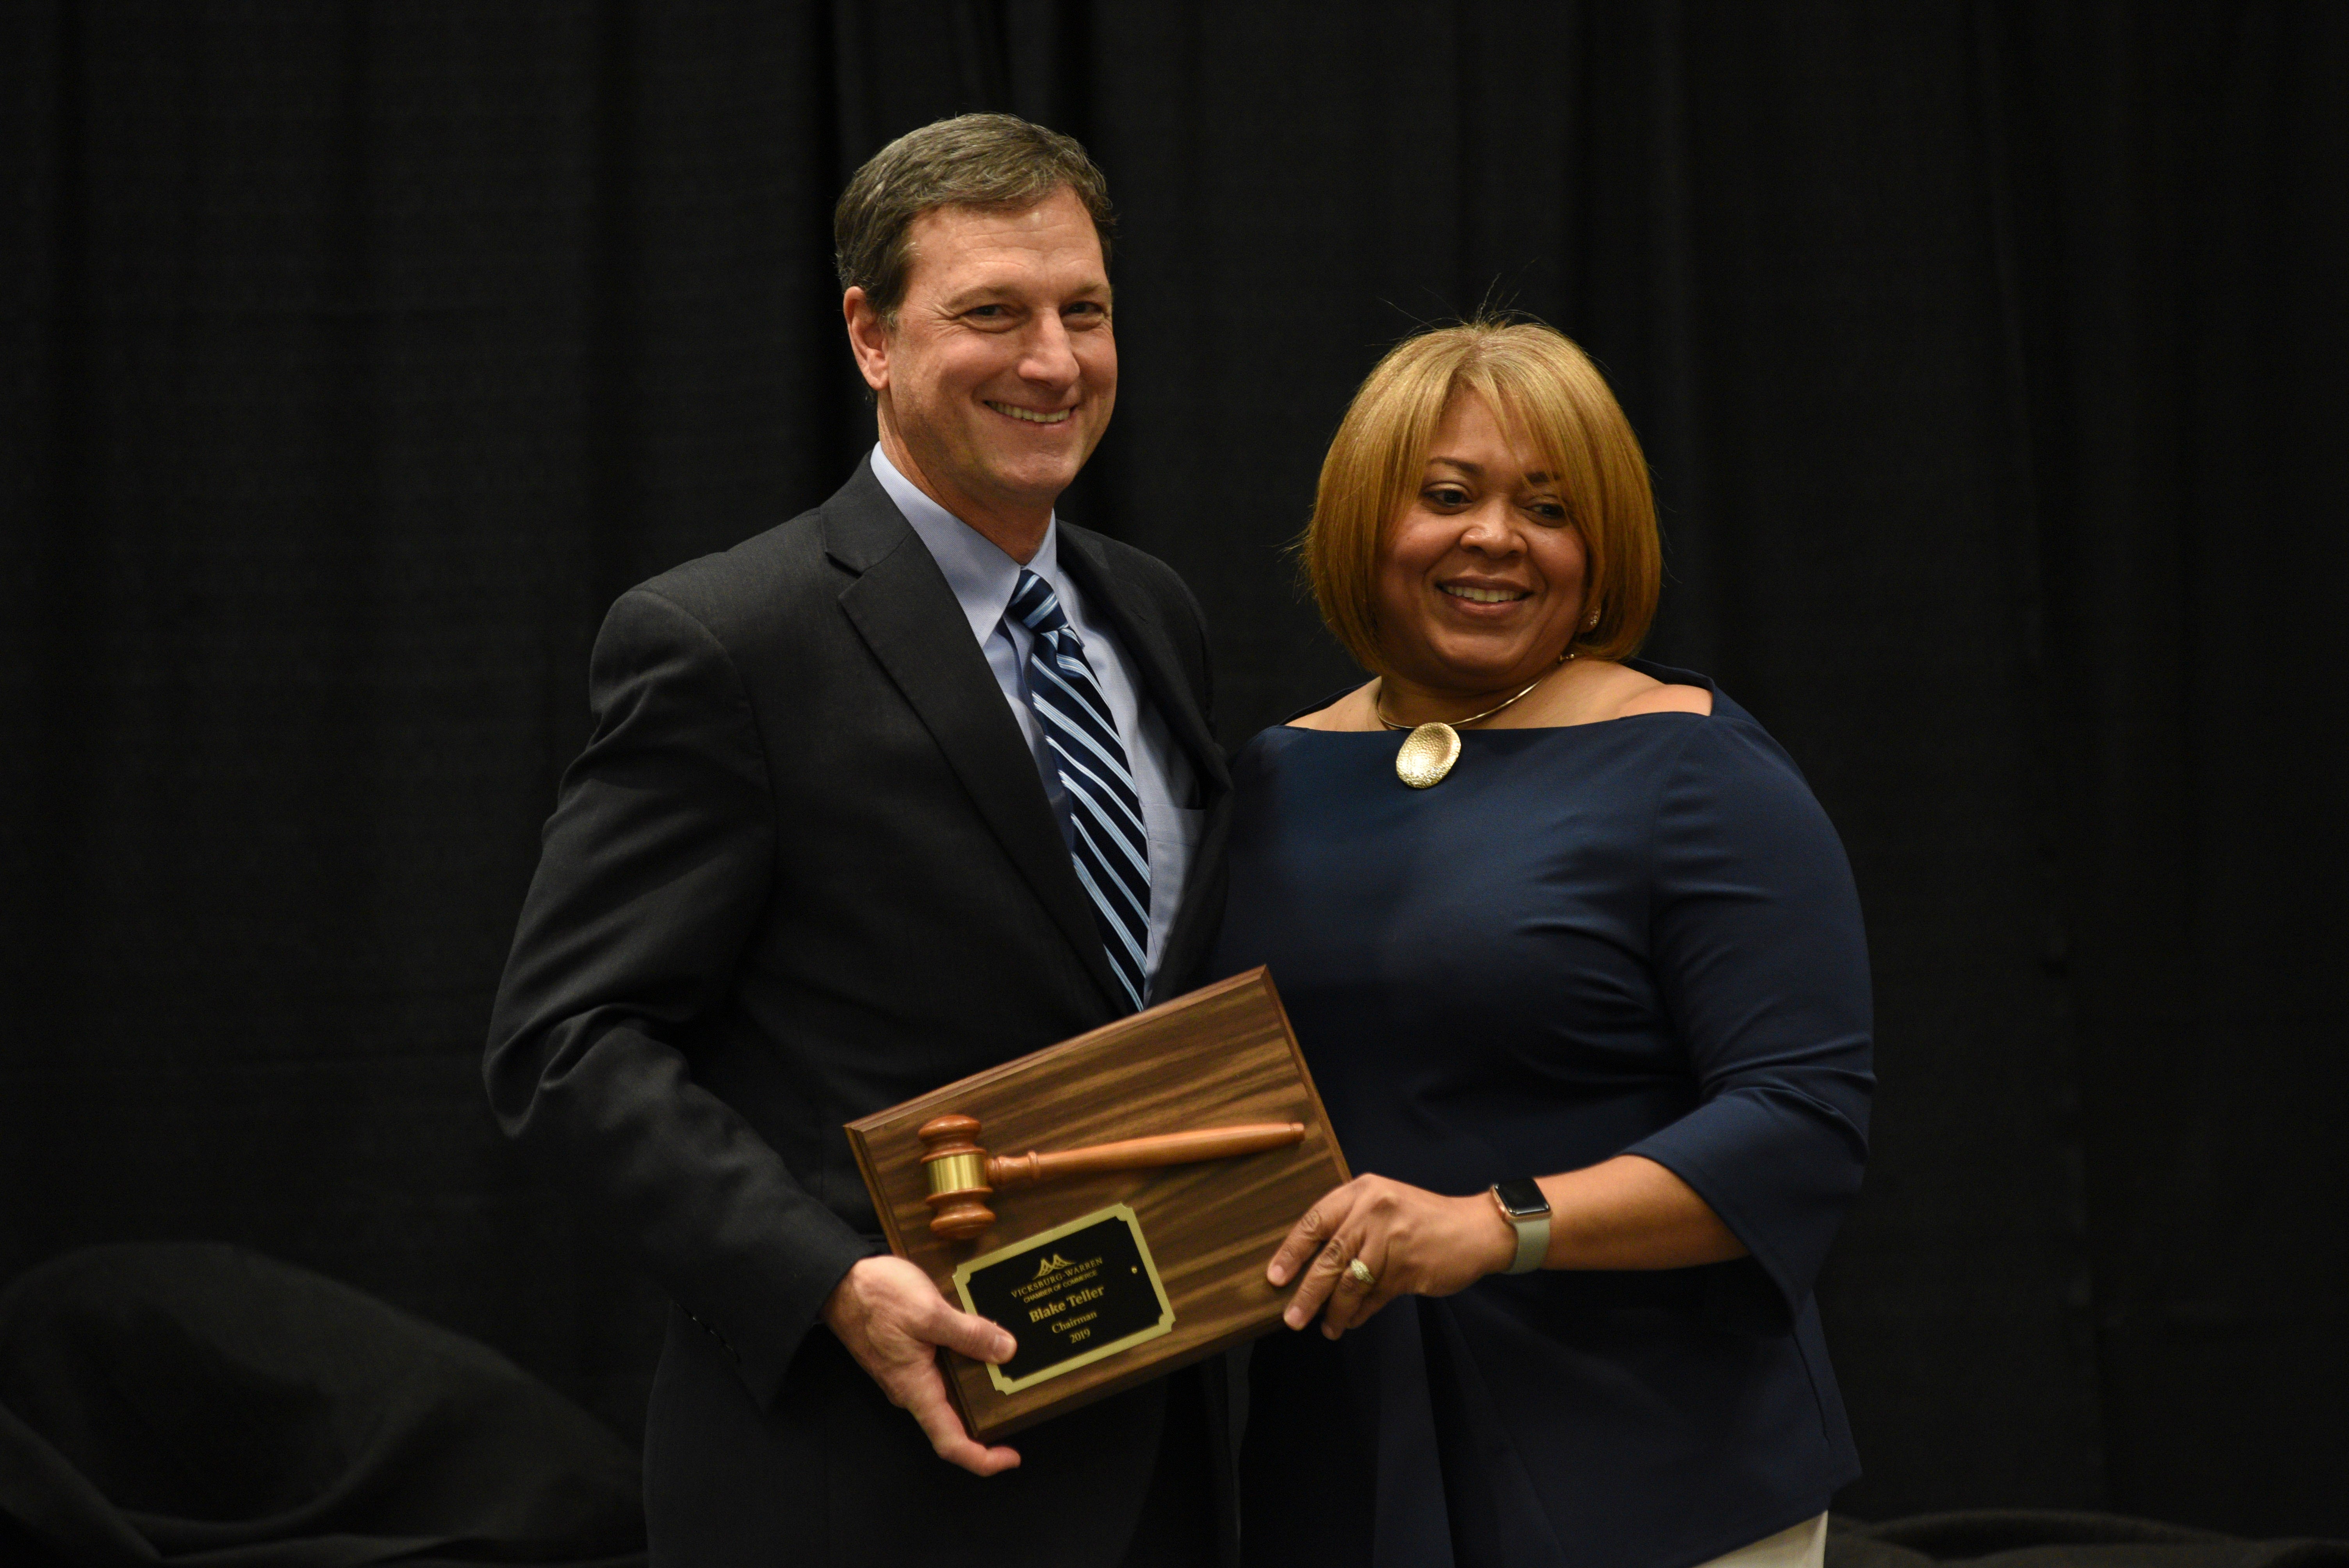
<point x="1202" y="1233"/>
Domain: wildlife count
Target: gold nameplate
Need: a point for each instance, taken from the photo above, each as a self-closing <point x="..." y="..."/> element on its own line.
<point x="1071" y="1296"/>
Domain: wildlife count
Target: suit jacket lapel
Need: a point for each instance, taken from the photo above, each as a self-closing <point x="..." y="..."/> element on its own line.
<point x="1129" y="608"/>
<point x="900" y="604"/>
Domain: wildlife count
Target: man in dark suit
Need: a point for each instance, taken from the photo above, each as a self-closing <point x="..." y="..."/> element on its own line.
<point x="916" y="782"/>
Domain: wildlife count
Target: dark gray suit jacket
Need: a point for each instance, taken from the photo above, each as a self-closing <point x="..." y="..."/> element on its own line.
<point x="806" y="869"/>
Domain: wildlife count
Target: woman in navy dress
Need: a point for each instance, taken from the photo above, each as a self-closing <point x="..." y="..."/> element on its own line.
<point x="1576" y="963"/>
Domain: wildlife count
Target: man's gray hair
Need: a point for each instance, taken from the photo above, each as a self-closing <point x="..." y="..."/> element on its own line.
<point x="996" y="162"/>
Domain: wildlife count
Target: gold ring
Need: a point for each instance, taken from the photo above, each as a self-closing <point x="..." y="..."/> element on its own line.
<point x="1360" y="1273"/>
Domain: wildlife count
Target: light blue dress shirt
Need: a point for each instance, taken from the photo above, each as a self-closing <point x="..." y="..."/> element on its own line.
<point x="983" y="578"/>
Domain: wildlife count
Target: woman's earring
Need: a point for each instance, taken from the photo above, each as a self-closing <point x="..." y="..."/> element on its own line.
<point x="1591" y="620"/>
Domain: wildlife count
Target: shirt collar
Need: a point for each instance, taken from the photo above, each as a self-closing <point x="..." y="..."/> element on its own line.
<point x="981" y="575"/>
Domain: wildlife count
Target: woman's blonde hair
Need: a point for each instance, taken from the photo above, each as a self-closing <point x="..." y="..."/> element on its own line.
<point x="1549" y="396"/>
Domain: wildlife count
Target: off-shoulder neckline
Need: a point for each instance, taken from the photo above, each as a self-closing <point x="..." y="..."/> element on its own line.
<point x="1670" y="675"/>
<point x="1290" y="724"/>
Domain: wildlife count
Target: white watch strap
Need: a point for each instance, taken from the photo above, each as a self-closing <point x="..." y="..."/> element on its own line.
<point x="1533" y="1243"/>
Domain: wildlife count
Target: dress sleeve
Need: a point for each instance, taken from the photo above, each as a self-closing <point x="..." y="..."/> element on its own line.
<point x="657" y="865"/>
<point x="1755" y="935"/>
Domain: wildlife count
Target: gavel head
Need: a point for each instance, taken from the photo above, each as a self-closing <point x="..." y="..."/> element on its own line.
<point x="956" y="1167"/>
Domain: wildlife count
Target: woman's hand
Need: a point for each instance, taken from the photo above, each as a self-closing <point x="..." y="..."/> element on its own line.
<point x="1412" y="1241"/>
<point x="1628" y="1212"/>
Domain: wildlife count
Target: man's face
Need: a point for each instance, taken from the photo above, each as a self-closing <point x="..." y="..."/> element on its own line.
<point x="1000" y="371"/>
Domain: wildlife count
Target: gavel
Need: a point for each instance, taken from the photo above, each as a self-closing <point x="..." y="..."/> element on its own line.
<point x="963" y="1176"/>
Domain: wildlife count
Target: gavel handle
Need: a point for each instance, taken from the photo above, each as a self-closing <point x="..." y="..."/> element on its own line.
<point x="1143" y="1153"/>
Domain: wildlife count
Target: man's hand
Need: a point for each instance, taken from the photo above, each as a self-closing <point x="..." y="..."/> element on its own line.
<point x="892" y="1318"/>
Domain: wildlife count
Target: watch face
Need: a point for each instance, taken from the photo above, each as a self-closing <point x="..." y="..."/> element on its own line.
<point x="1522" y="1198"/>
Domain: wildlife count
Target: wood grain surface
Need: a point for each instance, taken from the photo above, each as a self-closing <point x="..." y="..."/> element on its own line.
<point x="1220" y="1055"/>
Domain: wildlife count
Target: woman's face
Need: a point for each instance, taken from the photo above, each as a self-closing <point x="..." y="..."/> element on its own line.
<point x="1481" y="585"/>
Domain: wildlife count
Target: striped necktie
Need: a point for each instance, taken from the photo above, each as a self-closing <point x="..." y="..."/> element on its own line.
<point x="1112" y="849"/>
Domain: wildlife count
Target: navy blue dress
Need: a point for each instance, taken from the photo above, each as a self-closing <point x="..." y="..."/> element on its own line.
<point x="1633" y="936"/>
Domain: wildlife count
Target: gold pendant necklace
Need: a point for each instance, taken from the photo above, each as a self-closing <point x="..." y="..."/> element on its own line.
<point x="1429" y="750"/>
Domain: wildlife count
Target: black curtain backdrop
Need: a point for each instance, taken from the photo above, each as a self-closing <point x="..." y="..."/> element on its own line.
<point x="1988" y="356"/>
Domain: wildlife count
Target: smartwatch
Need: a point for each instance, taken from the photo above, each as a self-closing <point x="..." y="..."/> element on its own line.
<point x="1523" y="1205"/>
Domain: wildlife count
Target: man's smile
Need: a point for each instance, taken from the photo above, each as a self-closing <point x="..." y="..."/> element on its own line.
<point x="1033" y="416"/>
